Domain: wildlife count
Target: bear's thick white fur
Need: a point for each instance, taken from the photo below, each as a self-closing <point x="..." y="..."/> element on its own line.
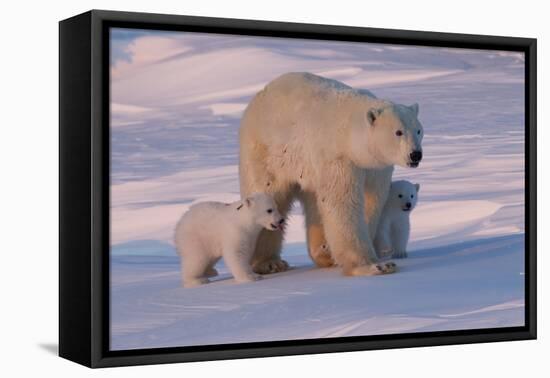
<point x="310" y="138"/>
<point x="394" y="229"/>
<point x="376" y="190"/>
<point x="211" y="230"/>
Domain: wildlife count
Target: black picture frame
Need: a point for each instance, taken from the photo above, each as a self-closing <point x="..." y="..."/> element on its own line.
<point x="84" y="188"/>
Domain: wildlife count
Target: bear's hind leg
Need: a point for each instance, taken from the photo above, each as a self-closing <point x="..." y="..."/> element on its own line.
<point x="194" y="265"/>
<point x="316" y="242"/>
<point x="322" y="256"/>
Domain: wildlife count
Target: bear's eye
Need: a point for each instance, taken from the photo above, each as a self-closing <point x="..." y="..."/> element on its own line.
<point x="399" y="133"/>
<point x="400" y="196"/>
<point x="418" y="132"/>
<point x="269" y="211"/>
<point x="412" y="195"/>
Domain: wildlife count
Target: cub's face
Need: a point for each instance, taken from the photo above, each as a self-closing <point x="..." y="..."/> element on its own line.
<point x="264" y="210"/>
<point x="396" y="135"/>
<point x="403" y="195"/>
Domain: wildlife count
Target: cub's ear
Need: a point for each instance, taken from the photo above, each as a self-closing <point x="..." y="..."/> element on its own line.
<point x="247" y="201"/>
<point x="372" y="115"/>
<point x="414" y="108"/>
<point x="417" y="186"/>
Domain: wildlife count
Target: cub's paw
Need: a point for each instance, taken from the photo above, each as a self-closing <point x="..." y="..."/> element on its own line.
<point x="399" y="254"/>
<point x="270" y="266"/>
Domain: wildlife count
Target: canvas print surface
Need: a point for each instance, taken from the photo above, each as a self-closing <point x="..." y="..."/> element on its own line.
<point x="434" y="137"/>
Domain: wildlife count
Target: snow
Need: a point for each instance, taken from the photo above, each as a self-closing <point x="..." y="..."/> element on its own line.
<point x="177" y="102"/>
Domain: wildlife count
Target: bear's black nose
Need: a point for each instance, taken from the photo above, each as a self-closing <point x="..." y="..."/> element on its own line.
<point x="408" y="205"/>
<point x="416" y="156"/>
<point x="282" y="221"/>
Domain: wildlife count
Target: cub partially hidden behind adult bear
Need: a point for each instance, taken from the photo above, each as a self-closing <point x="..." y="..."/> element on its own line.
<point x="394" y="228"/>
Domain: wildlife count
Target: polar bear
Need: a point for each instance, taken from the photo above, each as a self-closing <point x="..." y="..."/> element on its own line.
<point x="310" y="138"/>
<point x="211" y="230"/>
<point x="394" y="229"/>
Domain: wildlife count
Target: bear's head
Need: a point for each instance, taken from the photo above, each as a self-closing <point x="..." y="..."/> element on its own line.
<point x="403" y="196"/>
<point x="393" y="136"/>
<point x="263" y="211"/>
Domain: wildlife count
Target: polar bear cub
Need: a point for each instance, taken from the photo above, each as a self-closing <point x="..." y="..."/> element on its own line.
<point x="211" y="230"/>
<point x="393" y="231"/>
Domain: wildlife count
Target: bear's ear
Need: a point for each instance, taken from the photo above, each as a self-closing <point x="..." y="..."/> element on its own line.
<point x="417" y="186"/>
<point x="372" y="114"/>
<point x="414" y="107"/>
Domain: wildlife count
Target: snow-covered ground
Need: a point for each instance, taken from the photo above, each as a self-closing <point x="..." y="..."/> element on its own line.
<point x="176" y="103"/>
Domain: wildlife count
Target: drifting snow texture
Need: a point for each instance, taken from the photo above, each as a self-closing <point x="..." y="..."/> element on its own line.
<point x="177" y="102"/>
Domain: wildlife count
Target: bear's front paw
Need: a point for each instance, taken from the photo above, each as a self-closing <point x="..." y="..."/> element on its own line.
<point x="271" y="266"/>
<point x="386" y="268"/>
<point x="194" y="282"/>
<point x="249" y="278"/>
<point x="399" y="254"/>
<point x="371" y="269"/>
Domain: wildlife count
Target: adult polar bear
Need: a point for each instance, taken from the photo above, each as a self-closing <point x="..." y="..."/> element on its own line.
<point x="310" y="138"/>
